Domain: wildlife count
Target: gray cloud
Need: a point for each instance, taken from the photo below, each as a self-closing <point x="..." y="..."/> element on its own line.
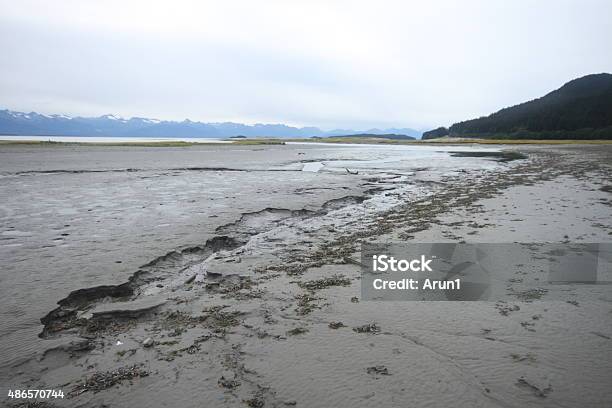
<point x="328" y="64"/>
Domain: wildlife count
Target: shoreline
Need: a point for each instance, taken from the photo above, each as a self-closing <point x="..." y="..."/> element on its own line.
<point x="168" y="142"/>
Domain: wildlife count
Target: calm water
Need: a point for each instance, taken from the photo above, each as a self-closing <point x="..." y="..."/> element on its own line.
<point x="96" y="139"/>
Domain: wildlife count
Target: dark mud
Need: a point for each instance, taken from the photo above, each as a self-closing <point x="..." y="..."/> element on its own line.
<point x="503" y="156"/>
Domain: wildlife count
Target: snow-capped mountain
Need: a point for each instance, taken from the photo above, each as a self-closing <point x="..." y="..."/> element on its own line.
<point x="35" y="124"/>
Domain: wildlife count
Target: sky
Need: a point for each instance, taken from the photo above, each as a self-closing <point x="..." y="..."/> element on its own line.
<point x="331" y="64"/>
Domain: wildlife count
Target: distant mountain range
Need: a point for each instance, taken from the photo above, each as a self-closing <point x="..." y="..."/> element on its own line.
<point x="389" y="136"/>
<point x="580" y="109"/>
<point x="36" y="124"/>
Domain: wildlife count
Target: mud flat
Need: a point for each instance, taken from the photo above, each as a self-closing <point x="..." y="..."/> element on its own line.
<point x="249" y="296"/>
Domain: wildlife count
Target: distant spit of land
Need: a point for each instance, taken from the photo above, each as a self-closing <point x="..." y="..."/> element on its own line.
<point x="331" y="140"/>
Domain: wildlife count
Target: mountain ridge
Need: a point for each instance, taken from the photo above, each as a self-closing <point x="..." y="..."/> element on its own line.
<point x="580" y="109"/>
<point x="36" y="124"/>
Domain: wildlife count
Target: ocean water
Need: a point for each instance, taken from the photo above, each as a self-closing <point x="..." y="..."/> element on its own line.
<point x="100" y="139"/>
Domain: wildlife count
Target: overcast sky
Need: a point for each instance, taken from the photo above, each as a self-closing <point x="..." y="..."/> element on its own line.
<point x="330" y="64"/>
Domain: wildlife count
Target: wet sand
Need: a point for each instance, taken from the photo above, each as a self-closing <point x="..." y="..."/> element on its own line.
<point x="250" y="295"/>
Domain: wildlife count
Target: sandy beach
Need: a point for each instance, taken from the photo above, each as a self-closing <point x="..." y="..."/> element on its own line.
<point x="225" y="276"/>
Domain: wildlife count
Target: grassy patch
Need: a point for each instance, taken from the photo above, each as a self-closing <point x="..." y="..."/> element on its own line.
<point x="258" y="141"/>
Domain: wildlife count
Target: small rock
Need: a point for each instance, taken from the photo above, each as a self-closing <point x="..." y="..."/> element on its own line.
<point x="297" y="330"/>
<point x="148" y="342"/>
<point x="378" y="370"/>
<point x="367" y="328"/>
<point x="336" y="325"/>
<point x="227" y="383"/>
<point x="256" y="402"/>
